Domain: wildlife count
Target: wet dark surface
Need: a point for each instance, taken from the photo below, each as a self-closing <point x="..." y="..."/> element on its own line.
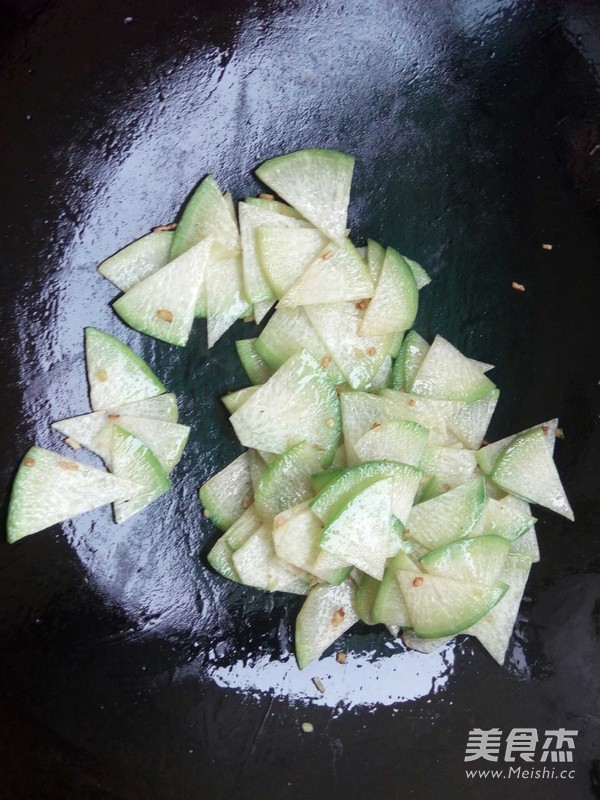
<point x="129" y="670"/>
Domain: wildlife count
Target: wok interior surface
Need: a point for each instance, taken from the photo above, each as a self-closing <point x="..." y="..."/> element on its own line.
<point x="128" y="669"/>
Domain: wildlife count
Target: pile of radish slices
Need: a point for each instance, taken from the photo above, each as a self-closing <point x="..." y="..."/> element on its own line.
<point x="363" y="484"/>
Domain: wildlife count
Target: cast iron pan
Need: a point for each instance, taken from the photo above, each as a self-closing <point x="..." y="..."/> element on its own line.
<point x="129" y="670"/>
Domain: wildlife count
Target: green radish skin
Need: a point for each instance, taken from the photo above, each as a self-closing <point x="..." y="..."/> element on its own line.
<point x="446" y="374"/>
<point x="242" y="529"/>
<point x="430" y="489"/>
<point x="163" y="305"/>
<point x="525" y="469"/>
<point x="337" y="275"/>
<point x="228" y="494"/>
<point x="314" y="182"/>
<point x="49" y="488"/>
<point x="299" y="397"/>
<point x="287" y="481"/>
<point x="219" y="558"/>
<point x="321" y="479"/>
<point x="440" y="607"/>
<point x="448" y="517"/>
<point x="395" y="301"/>
<point x="130" y="458"/>
<point x="206" y="214"/>
<point x="116" y="375"/>
<point x="255" y="366"/>
<point x="326" y="614"/>
<point x="479" y="560"/>
<point x="235" y="400"/>
<point x="138" y="260"/>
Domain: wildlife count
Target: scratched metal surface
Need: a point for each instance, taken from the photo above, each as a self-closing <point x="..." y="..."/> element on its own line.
<point x="128" y="669"/>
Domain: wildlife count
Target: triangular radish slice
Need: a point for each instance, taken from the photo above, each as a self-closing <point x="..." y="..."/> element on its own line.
<point x="526" y="469"/>
<point x="327" y="612"/>
<point x="163" y="304"/>
<point x="227" y="494"/>
<point x="509" y="517"/>
<point x="207" y="214"/>
<point x="225" y="301"/>
<point x="495" y="629"/>
<point x="362" y="532"/>
<point x="488" y="455"/>
<point x="299" y="402"/>
<point x="138" y="260"/>
<point x="316" y="183"/>
<point x="50" y="488"/>
<point x="446" y="374"/>
<point x="449" y="516"/>
<point x="167" y="440"/>
<point x="257" y="565"/>
<point x="284" y="254"/>
<point x="130" y="457"/>
<point x="256" y="288"/>
<point x="337" y="275"/>
<point x="359" y="358"/>
<point x="375" y="256"/>
<point x="479" y="560"/>
<point x="85" y="428"/>
<point x="471" y="422"/>
<point x="116" y="374"/>
<point x="440" y="607"/>
<point x="276" y="206"/>
<point x="395" y="301"/>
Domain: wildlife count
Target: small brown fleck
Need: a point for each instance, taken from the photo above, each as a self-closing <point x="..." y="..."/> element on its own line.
<point x="375" y="426"/>
<point x="338" y="616"/>
<point x="320" y="448"/>
<point x="165" y="314"/>
<point x="113" y="416"/>
<point x="326" y="361"/>
<point x="341" y="387"/>
<point x="560" y="434"/>
<point x="545" y="429"/>
<point x="249" y="319"/>
<point x="411" y="402"/>
<point x="319" y="685"/>
<point x="406" y="534"/>
<point x="362" y="304"/>
<point x="547" y="246"/>
<point x="102" y="375"/>
<point x="69" y="466"/>
<point x="205" y="512"/>
<point x="359" y="353"/>
<point x="518" y="286"/>
<point x="247" y="501"/>
<point x="266" y="196"/>
<point x="330" y="423"/>
<point x="340" y="657"/>
<point x="446" y="487"/>
<point x="417" y="581"/>
<point x="29" y="462"/>
<point x="326" y="255"/>
<point x="372" y="351"/>
<point x="170" y="226"/>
